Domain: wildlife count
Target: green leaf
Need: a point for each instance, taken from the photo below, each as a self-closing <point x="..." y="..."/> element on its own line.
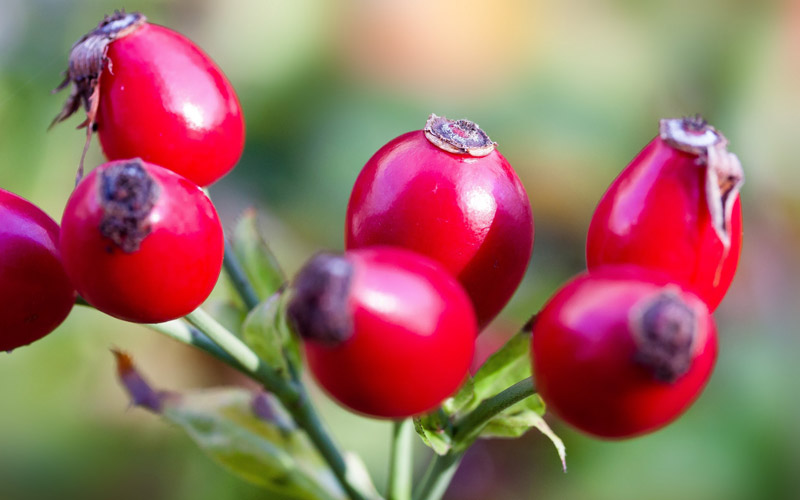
<point x="257" y="260"/>
<point x="358" y="475"/>
<point x="462" y="399"/>
<point x="510" y="364"/>
<point x="227" y="313"/>
<point x="266" y="332"/>
<point x="247" y="433"/>
<point x="518" y="419"/>
<point x="222" y="422"/>
<point x="433" y="428"/>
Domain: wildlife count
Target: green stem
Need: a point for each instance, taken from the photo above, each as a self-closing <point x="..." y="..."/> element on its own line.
<point x="239" y="279"/>
<point x="400" y="460"/>
<point x="229" y="342"/>
<point x="182" y="332"/>
<point x="465" y="429"/>
<point x="438" y="476"/>
<point x="292" y="395"/>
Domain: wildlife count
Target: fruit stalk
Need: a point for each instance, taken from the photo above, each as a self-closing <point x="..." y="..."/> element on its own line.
<point x="293" y="396"/>
<point x="239" y="279"/>
<point x="400" y="467"/>
<point x="443" y="467"/>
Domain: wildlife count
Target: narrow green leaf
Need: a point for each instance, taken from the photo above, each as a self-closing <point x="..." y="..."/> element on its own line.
<point x="463" y="398"/>
<point x="433" y="429"/>
<point x="257" y="260"/>
<point x="291" y="341"/>
<point x="510" y="364"/>
<point x="222" y="422"/>
<point x="358" y="475"/>
<point x="247" y="433"/>
<point x="518" y="419"/>
<point x="262" y="332"/>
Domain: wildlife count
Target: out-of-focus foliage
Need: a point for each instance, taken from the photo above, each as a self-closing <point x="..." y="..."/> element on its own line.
<point x="569" y="89"/>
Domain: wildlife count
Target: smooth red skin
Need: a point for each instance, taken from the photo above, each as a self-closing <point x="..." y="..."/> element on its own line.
<point x="413" y="337"/>
<point x="172" y="272"/>
<point x="470" y="214"/>
<point x="583" y="353"/>
<point x="655" y="215"/>
<point x="164" y="100"/>
<point x="35" y="293"/>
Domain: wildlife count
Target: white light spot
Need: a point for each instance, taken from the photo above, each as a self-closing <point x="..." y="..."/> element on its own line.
<point x="193" y="115"/>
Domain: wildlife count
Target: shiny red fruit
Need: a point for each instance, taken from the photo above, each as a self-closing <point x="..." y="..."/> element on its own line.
<point x="622" y="351"/>
<point x="388" y="333"/>
<point x="140" y="242"/>
<point x="676" y="209"/>
<point x="35" y="293"/>
<point x="446" y="192"/>
<point x="152" y="93"/>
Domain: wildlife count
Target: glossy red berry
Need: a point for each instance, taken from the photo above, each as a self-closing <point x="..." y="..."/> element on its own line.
<point x="35" y="293"/>
<point x="676" y="209"/>
<point x="152" y="93"/>
<point x="140" y="242"/>
<point x="388" y="333"/>
<point x="446" y="192"/>
<point x="622" y="351"/>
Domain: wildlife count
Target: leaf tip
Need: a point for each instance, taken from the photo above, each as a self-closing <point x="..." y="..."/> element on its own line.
<point x="138" y="389"/>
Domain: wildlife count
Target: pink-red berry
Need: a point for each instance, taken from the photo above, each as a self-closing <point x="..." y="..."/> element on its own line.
<point x="140" y="242"/>
<point x="676" y="209"/>
<point x="388" y="333"/>
<point x="35" y="293"/>
<point x="152" y="93"/>
<point x="622" y="351"/>
<point x="446" y="192"/>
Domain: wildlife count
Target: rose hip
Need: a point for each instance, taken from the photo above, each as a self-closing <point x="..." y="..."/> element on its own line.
<point x="676" y="209"/>
<point x="140" y="242"/>
<point x="388" y="332"/>
<point x="622" y="351"/>
<point x="35" y="293"/>
<point x="152" y="93"/>
<point x="446" y="192"/>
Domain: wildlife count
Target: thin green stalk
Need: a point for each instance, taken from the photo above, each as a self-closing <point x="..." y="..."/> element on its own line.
<point x="292" y="395"/>
<point x="472" y="423"/>
<point x="239" y="279"/>
<point x="438" y="476"/>
<point x="248" y="293"/>
<point x="400" y="460"/>
<point x="440" y="473"/>
<point x="229" y="342"/>
<point x="183" y="332"/>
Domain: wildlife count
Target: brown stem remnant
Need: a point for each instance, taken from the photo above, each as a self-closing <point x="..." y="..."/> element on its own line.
<point x="127" y="194"/>
<point x="665" y="330"/>
<point x="724" y="175"/>
<point x="319" y="306"/>
<point x="458" y="136"/>
<point x="87" y="59"/>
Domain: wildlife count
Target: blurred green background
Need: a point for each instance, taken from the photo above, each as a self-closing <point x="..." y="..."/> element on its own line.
<point x="570" y="89"/>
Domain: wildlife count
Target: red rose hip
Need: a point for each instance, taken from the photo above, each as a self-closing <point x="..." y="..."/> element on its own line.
<point x="35" y="293"/>
<point x="152" y="93"/>
<point x="140" y="242"/>
<point x="676" y="209"/>
<point x="446" y="192"/>
<point x="388" y="333"/>
<point x="622" y="351"/>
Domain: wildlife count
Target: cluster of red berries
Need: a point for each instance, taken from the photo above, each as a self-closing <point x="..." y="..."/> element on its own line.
<point x="439" y="233"/>
<point x="626" y="347"/>
<point x="621" y="350"/>
<point x="139" y="239"/>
